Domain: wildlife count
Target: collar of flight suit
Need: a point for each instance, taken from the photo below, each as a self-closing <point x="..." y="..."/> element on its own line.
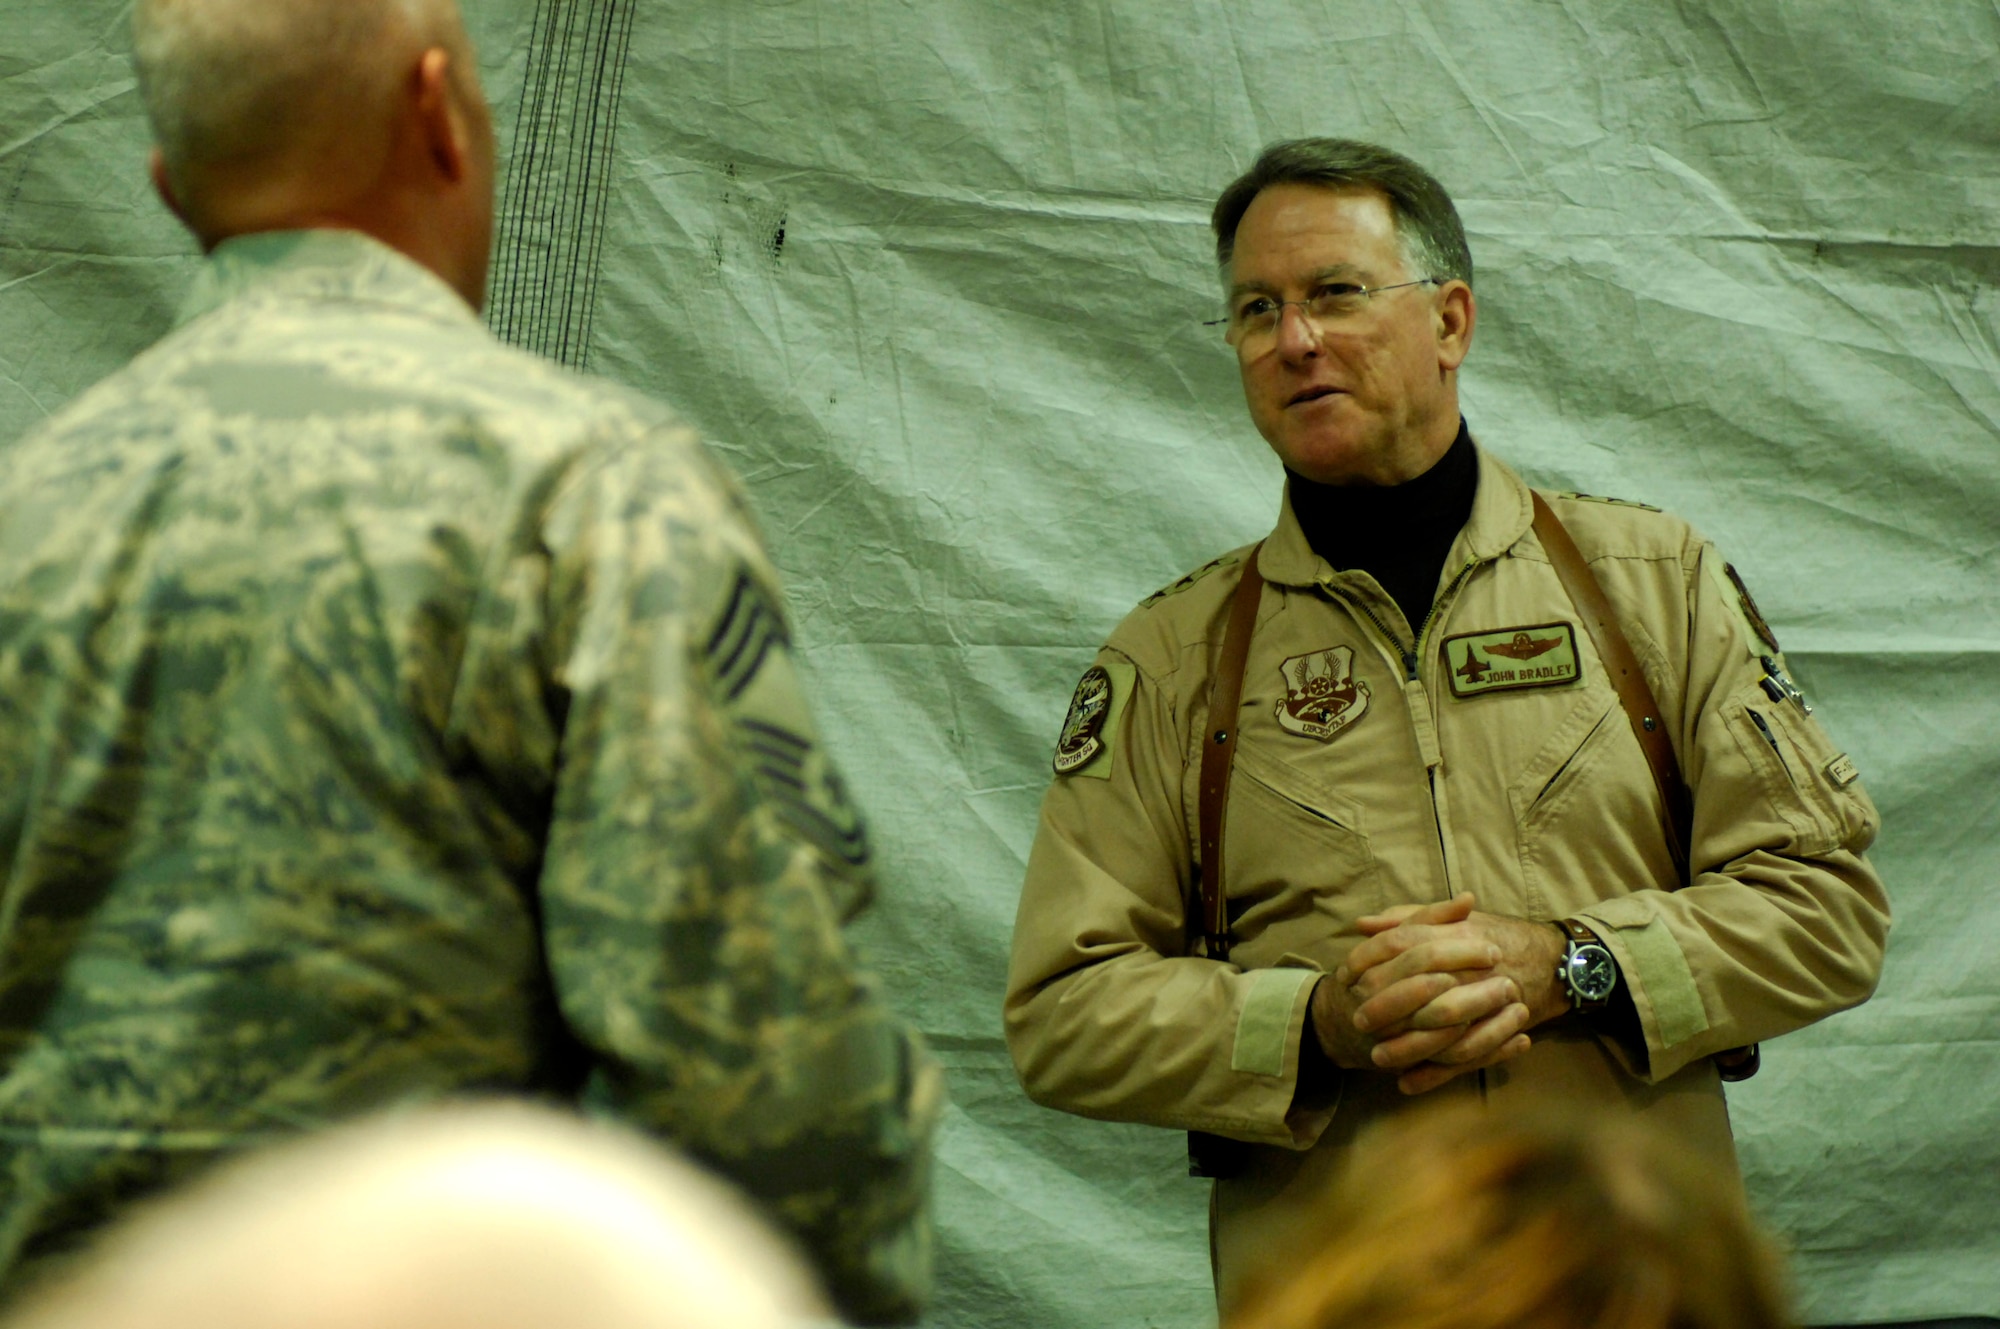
<point x="1502" y="513"/>
<point x="321" y="265"/>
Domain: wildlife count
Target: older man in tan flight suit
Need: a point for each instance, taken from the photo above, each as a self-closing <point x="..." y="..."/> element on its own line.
<point x="1500" y="821"/>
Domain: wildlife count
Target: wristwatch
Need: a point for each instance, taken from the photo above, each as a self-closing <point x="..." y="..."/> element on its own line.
<point x="1587" y="970"/>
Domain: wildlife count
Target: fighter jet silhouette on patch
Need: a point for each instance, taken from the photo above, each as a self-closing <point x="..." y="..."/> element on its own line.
<point x="1474" y="668"/>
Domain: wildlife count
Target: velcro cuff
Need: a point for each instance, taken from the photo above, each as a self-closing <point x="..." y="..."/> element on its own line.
<point x="1264" y="1025"/>
<point x="1659" y="970"/>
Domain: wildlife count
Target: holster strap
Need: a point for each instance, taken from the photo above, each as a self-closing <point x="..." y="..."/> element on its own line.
<point x="1218" y="752"/>
<point x="1649" y="726"/>
<point x="1642" y="709"/>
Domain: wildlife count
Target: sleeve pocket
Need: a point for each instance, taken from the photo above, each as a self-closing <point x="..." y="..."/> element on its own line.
<point x="1812" y="783"/>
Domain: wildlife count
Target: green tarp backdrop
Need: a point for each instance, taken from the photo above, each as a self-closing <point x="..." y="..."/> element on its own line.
<point x="930" y="273"/>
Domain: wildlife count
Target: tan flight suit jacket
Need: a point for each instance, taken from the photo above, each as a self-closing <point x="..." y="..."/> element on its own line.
<point x="1372" y="772"/>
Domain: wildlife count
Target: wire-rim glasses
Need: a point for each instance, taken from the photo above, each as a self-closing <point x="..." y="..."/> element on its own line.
<point x="1253" y="324"/>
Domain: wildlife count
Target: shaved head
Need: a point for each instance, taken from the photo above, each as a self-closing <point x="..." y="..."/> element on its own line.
<point x="362" y="115"/>
<point x="250" y="84"/>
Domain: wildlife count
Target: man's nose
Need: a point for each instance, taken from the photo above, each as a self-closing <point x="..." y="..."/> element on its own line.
<point x="1298" y="335"/>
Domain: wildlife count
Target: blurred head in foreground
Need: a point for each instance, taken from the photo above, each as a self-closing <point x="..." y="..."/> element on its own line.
<point x="1466" y="1218"/>
<point x="501" y="1217"/>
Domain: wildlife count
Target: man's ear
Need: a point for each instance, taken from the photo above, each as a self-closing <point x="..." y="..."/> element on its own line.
<point x="439" y="119"/>
<point x="156" y="166"/>
<point x="1457" y="312"/>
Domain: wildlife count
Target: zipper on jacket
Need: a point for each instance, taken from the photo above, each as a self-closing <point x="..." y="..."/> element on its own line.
<point x="1409" y="657"/>
<point x="1417" y="697"/>
<point x="1450" y="589"/>
<point x="1413" y="657"/>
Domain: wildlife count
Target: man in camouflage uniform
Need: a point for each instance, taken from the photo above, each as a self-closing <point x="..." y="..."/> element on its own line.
<point x="388" y="714"/>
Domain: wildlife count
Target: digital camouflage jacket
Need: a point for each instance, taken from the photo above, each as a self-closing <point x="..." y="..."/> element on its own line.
<point x="386" y="714"/>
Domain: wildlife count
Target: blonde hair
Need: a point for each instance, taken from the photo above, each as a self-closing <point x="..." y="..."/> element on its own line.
<point x="1463" y="1218"/>
<point x="251" y="83"/>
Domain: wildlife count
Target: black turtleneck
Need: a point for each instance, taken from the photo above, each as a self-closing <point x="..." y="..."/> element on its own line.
<point x="1398" y="534"/>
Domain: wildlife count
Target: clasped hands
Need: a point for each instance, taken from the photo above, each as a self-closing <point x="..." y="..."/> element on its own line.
<point x="1437" y="990"/>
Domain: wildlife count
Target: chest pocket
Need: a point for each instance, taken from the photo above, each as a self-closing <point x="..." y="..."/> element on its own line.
<point x="1297" y="858"/>
<point x="1586" y="815"/>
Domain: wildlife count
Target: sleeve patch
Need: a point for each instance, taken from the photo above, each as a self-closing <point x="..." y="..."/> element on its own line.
<point x="1089" y="741"/>
<point x="1752" y="616"/>
<point x="749" y="627"/>
<point x="749" y="654"/>
<point x="1264" y="1025"/>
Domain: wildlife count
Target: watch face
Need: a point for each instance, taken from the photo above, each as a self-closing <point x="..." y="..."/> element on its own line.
<point x="1592" y="972"/>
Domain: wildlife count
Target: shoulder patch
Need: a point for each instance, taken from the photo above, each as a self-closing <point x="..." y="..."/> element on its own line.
<point x="1729" y="584"/>
<point x="1176" y="587"/>
<point x="1090" y="730"/>
<point x="1748" y="604"/>
<point x="1615" y="502"/>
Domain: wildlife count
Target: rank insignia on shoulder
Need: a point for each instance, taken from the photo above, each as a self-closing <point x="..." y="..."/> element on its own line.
<point x="1091" y="727"/>
<point x="1177" y="586"/>
<point x="749" y="655"/>
<point x="1322" y="696"/>
<point x="1541" y="656"/>
<point x="1615" y="502"/>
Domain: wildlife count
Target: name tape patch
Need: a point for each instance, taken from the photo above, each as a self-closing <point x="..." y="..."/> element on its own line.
<point x="1541" y="656"/>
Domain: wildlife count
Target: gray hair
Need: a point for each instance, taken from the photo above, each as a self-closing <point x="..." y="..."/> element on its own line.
<point x="1427" y="223"/>
<point x="245" y="82"/>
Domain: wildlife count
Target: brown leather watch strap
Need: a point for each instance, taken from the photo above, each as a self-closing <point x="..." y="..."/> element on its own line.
<point x="1218" y="751"/>
<point x="1580" y="935"/>
<point x="1642" y="709"/>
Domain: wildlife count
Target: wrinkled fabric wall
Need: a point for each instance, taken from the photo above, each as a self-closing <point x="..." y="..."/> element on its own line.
<point x="931" y="276"/>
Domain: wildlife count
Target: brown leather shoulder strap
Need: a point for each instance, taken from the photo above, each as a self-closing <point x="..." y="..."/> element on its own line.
<point x="1218" y="750"/>
<point x="1634" y="693"/>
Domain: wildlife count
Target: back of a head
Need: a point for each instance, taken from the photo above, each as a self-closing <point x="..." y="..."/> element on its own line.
<point x="277" y="87"/>
<point x="1464" y="1218"/>
<point x="500" y="1217"/>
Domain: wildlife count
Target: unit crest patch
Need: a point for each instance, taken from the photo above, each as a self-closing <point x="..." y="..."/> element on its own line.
<point x="1541" y="656"/>
<point x="1322" y="696"/>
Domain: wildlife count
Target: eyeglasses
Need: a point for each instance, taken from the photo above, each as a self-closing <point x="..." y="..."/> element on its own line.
<point x="1252" y="327"/>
